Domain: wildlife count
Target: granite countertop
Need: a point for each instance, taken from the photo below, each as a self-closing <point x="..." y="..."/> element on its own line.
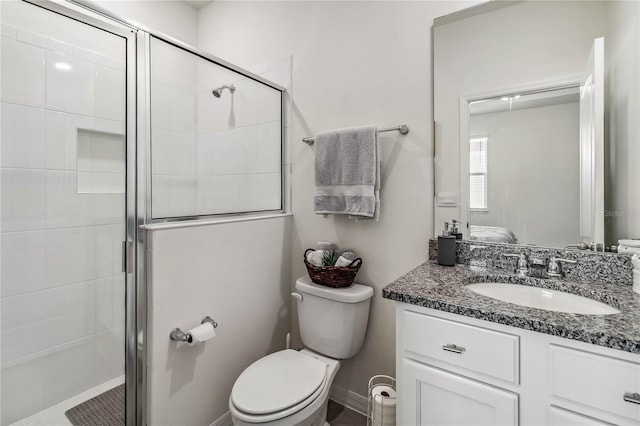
<point x="443" y="288"/>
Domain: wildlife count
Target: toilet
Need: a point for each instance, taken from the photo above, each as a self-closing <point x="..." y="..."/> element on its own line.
<point x="291" y="387"/>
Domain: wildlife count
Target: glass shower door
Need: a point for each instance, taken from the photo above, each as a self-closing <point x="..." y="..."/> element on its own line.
<point x="63" y="217"/>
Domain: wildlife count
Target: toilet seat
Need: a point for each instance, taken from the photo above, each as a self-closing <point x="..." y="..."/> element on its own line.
<point x="277" y="386"/>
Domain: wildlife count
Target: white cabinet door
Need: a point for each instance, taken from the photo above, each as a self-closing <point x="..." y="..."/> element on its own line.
<point x="435" y="397"/>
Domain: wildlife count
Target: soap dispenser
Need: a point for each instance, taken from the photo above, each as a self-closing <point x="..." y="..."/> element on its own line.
<point x="454" y="229"/>
<point x="446" y="247"/>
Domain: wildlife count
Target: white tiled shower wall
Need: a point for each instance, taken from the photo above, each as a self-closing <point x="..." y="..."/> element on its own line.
<point x="212" y="155"/>
<point x="62" y="291"/>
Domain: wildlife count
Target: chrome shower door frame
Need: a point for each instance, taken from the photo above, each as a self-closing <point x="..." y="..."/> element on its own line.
<point x="133" y="247"/>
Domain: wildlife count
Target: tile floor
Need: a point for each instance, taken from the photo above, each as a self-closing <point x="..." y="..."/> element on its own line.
<point x="338" y="415"/>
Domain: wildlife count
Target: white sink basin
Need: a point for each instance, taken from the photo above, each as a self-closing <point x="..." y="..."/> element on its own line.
<point x="542" y="298"/>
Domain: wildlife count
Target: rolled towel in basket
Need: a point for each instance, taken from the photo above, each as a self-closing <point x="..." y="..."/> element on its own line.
<point x="315" y="257"/>
<point x="347" y="254"/>
<point x="343" y="261"/>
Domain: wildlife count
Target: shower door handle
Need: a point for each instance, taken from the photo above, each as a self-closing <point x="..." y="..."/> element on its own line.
<point x="127" y="257"/>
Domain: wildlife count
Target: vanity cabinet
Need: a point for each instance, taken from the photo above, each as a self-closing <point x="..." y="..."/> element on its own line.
<point x="456" y="370"/>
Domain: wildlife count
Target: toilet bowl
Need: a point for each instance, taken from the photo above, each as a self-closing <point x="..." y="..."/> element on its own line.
<point x="285" y="388"/>
<point x="290" y="387"/>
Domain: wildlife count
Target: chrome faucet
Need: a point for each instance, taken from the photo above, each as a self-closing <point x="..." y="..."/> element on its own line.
<point x="523" y="267"/>
<point x="554" y="270"/>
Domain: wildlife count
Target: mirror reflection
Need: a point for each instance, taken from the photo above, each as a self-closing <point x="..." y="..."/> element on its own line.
<point x="523" y="157"/>
<point x="523" y="181"/>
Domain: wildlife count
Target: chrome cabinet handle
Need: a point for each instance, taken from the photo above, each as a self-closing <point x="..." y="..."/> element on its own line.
<point x="453" y="348"/>
<point x="632" y="397"/>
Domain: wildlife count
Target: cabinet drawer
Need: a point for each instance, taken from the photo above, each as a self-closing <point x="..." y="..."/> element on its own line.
<point x="594" y="380"/>
<point x="490" y="353"/>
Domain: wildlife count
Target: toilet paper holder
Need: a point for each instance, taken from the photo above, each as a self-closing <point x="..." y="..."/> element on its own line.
<point x="180" y="336"/>
<point x="381" y="401"/>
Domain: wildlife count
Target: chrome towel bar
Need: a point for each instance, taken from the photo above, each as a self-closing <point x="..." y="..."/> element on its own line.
<point x="403" y="129"/>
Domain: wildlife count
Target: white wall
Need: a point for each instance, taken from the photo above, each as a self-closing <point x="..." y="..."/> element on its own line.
<point x="239" y="275"/>
<point x="353" y="63"/>
<point x="63" y="211"/>
<point x="622" y="62"/>
<point x="520" y="45"/>
<point x="532" y="172"/>
<point x="173" y="18"/>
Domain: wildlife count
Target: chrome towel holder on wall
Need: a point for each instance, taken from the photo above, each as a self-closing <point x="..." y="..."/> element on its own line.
<point x="403" y="129"/>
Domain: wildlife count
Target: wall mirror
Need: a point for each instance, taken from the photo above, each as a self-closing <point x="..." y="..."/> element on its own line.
<point x="509" y="78"/>
<point x="523" y="148"/>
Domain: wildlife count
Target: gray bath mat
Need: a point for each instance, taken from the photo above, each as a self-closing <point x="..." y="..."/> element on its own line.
<point x="106" y="409"/>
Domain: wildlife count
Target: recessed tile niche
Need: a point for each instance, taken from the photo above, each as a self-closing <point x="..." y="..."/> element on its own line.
<point x="101" y="162"/>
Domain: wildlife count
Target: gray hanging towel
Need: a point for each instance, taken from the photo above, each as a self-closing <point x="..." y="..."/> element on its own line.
<point x="348" y="173"/>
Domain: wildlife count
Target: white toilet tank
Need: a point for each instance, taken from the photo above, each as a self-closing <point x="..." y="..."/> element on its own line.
<point x="333" y="321"/>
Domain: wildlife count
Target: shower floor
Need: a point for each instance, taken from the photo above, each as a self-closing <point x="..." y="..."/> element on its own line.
<point x="106" y="409"/>
<point x="54" y="416"/>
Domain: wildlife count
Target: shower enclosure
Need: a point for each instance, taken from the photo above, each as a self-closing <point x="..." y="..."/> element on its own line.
<point x="107" y="128"/>
<point x="66" y="126"/>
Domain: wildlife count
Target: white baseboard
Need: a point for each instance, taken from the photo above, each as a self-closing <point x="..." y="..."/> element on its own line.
<point x="224" y="420"/>
<point x="350" y="399"/>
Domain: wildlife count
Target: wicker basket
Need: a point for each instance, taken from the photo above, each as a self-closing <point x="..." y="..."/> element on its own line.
<point x="333" y="276"/>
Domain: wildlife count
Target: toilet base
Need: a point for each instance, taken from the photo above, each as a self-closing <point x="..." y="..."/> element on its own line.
<point x="315" y="414"/>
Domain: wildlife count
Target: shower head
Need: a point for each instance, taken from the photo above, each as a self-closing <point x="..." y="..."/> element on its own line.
<point x="217" y="92"/>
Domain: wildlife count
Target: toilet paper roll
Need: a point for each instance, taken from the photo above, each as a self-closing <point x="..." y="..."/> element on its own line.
<point x="384" y="405"/>
<point x="635" y="260"/>
<point x="384" y="394"/>
<point x="201" y="333"/>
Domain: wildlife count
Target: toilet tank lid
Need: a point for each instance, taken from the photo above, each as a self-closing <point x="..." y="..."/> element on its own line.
<point x="353" y="294"/>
